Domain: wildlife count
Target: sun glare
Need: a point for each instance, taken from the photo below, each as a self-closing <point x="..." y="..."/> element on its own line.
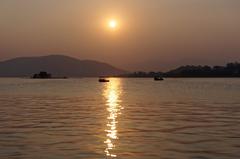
<point x="113" y="24"/>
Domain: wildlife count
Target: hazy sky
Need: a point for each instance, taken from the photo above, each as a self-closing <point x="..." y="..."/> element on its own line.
<point x="153" y="34"/>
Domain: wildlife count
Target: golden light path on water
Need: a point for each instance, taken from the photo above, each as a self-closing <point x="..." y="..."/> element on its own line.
<point x="112" y="94"/>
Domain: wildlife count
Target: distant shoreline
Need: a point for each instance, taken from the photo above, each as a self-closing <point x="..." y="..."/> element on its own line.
<point x="115" y="77"/>
<point x="58" y="66"/>
<point x="191" y="71"/>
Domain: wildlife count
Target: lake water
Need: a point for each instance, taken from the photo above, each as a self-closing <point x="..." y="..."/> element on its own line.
<point x="122" y="119"/>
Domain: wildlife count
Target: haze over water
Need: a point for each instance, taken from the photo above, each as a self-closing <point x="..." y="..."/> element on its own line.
<point x="125" y="119"/>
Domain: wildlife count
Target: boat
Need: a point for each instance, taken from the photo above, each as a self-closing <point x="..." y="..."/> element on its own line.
<point x="158" y="79"/>
<point x="103" y="80"/>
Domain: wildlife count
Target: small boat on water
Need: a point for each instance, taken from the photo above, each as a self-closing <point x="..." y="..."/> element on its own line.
<point x="158" y="79"/>
<point x="103" y="80"/>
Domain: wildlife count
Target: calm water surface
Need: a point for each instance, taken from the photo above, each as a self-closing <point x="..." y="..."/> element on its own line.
<point x="123" y="119"/>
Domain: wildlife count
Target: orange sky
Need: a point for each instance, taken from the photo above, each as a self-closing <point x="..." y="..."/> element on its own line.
<point x="153" y="35"/>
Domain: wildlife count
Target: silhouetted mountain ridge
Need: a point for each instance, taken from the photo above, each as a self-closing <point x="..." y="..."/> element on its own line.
<point x="58" y="65"/>
<point x="229" y="70"/>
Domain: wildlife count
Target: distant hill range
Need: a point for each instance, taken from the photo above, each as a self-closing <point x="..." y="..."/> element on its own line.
<point x="230" y="70"/>
<point x="57" y="65"/>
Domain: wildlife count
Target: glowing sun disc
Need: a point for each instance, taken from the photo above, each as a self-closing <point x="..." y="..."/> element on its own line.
<point x="112" y="24"/>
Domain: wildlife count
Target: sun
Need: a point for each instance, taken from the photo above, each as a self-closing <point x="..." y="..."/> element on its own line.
<point x="113" y="24"/>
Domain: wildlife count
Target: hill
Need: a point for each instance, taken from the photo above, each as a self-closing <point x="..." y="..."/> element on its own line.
<point x="229" y="70"/>
<point x="58" y="65"/>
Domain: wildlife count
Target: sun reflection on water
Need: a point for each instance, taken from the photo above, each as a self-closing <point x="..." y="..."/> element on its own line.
<point x="112" y="94"/>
